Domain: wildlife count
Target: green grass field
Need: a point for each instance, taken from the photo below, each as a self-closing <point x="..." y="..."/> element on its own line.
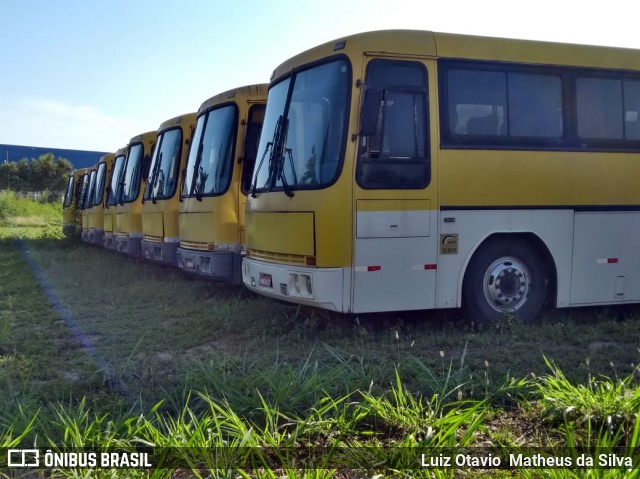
<point x="97" y="350"/>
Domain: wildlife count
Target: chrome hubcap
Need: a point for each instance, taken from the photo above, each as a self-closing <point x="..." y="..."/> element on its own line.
<point x="506" y="284"/>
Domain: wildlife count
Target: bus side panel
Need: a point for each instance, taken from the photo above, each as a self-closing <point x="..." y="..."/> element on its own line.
<point x="472" y="227"/>
<point x="606" y="268"/>
<point x="395" y="256"/>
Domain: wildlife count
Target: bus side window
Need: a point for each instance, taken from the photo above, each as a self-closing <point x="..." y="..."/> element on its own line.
<point x="395" y="155"/>
<point x="251" y="141"/>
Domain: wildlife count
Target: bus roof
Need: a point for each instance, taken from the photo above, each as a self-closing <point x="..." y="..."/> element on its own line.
<point x="107" y="157"/>
<point x="146" y="136"/>
<point x="177" y="120"/>
<point x="448" y="45"/>
<point x="253" y="91"/>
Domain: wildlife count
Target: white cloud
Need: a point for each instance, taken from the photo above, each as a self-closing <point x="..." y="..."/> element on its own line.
<point x="62" y="125"/>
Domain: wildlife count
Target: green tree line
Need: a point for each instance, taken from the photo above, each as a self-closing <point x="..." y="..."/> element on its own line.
<point x="45" y="173"/>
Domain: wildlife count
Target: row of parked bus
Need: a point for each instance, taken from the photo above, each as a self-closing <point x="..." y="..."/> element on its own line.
<point x="176" y="195"/>
<point x="395" y="170"/>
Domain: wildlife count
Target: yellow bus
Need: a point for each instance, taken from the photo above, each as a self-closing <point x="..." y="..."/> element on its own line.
<point x="161" y="197"/>
<point x="96" y="207"/>
<point x="109" y="213"/>
<point x="406" y="170"/>
<point x="71" y="213"/>
<point x="86" y="204"/>
<point x="85" y="194"/>
<point x="129" y="193"/>
<point x="216" y="179"/>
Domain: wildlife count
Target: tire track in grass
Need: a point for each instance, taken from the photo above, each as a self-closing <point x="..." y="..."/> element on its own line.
<point x="116" y="383"/>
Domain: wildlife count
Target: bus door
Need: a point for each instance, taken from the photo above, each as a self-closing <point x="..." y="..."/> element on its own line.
<point x="395" y="245"/>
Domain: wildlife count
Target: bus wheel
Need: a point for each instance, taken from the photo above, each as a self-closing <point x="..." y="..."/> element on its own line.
<point x="505" y="276"/>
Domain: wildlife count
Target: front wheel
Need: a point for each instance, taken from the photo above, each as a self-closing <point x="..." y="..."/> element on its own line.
<point x="505" y="276"/>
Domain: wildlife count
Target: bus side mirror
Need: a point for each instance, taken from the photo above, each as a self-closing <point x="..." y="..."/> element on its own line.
<point x="369" y="112"/>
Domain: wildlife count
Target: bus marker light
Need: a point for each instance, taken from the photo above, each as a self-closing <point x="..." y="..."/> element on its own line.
<point x="607" y="260"/>
<point x="364" y="269"/>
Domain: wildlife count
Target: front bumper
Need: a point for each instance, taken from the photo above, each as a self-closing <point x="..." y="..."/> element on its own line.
<point x="165" y="253"/>
<point x="319" y="287"/>
<point x="225" y="266"/>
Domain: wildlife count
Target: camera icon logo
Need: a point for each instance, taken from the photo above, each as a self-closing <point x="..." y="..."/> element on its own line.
<point x="23" y="458"/>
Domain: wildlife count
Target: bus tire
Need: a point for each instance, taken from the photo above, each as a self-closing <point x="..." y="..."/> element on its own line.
<point x="505" y="276"/>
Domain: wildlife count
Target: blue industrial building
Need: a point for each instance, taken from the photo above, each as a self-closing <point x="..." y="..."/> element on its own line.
<point x="78" y="158"/>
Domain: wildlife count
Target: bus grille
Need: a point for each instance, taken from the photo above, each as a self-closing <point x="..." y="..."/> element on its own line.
<point x="277" y="257"/>
<point x="196" y="245"/>
<point x="153" y="239"/>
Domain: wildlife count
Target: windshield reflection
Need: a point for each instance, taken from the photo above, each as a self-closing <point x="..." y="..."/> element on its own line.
<point x="302" y="138"/>
<point x="210" y="163"/>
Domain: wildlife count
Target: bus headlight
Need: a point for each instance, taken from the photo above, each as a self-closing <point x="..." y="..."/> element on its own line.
<point x="300" y="284"/>
<point x="307" y="284"/>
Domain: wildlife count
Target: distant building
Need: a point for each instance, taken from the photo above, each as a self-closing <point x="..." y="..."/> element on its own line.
<point x="78" y="158"/>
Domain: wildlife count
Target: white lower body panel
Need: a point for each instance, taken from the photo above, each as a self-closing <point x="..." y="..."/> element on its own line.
<point x="328" y="289"/>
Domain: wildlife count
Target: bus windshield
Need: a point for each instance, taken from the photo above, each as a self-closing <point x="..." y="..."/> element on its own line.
<point x="304" y="129"/>
<point x="115" y="179"/>
<point x="163" y="172"/>
<point x="68" y="196"/>
<point x="92" y="186"/>
<point x="99" y="188"/>
<point x="131" y="175"/>
<point x="210" y="164"/>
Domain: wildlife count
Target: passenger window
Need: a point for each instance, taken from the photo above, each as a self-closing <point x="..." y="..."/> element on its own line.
<point x="631" y="109"/>
<point x="396" y="156"/>
<point x="608" y="108"/>
<point x="599" y="102"/>
<point x="504" y="104"/>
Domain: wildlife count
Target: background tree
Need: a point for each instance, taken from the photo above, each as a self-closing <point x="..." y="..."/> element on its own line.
<point x="9" y="179"/>
<point x="45" y="173"/>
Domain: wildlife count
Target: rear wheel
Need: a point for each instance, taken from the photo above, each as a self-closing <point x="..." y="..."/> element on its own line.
<point x="505" y="276"/>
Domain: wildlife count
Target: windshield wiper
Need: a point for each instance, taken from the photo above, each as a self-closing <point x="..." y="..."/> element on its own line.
<point x="154" y="177"/>
<point x="282" y="176"/>
<point x="268" y="146"/>
<point x="280" y="160"/>
<point x="196" y="164"/>
<point x="182" y="185"/>
<point x="121" y="186"/>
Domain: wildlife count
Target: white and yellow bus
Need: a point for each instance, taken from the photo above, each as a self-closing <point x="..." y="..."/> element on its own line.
<point x="96" y="207"/>
<point x="127" y="227"/>
<point x="110" y="203"/>
<point x="161" y="198"/>
<point x="405" y="170"/>
<point x="216" y="179"/>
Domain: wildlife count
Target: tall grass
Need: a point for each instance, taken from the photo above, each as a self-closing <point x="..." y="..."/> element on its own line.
<point x="361" y="433"/>
<point x="601" y="401"/>
<point x="20" y="211"/>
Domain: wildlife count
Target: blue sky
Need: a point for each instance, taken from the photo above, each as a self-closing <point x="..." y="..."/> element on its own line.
<point x="90" y="75"/>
